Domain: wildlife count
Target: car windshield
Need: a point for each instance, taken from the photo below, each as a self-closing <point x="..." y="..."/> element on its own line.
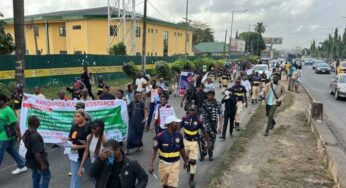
<point x="343" y="65"/>
<point x="260" y="68"/>
<point x="323" y="65"/>
<point x="342" y="79"/>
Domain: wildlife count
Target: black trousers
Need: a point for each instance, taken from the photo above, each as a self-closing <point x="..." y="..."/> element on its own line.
<point x="229" y="116"/>
<point x="88" y="87"/>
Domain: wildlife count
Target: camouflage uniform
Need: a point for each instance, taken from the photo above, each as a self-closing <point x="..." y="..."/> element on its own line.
<point x="210" y="113"/>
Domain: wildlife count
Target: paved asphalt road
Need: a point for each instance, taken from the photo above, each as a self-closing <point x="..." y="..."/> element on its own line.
<point x="318" y="86"/>
<point x="60" y="165"/>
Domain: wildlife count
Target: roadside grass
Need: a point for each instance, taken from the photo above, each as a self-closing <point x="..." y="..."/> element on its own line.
<point x="241" y="142"/>
<point x="52" y="92"/>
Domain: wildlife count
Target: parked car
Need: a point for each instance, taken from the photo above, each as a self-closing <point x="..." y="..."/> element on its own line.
<point x="338" y="86"/>
<point x="263" y="68"/>
<point x="341" y="67"/>
<point x="315" y="63"/>
<point x="323" y="68"/>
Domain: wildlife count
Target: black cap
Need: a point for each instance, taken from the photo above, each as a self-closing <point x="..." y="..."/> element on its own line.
<point x="112" y="144"/>
<point x="80" y="105"/>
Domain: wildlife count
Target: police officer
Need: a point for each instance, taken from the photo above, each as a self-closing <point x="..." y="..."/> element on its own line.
<point x="256" y="82"/>
<point x="190" y="126"/>
<point x="170" y="145"/>
<point x="212" y="116"/>
<point x="240" y="92"/>
<point x="230" y="102"/>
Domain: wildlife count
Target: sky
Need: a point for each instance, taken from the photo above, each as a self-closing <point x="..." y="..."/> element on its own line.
<point x="298" y="22"/>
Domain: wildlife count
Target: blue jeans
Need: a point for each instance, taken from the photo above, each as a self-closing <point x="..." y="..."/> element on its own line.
<point x="40" y="179"/>
<point x="9" y="146"/>
<point x="151" y="112"/>
<point x="75" y="179"/>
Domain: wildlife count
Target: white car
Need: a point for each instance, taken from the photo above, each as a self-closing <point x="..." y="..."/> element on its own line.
<point x="263" y="68"/>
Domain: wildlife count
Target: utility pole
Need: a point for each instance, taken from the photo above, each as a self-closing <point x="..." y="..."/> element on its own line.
<point x="224" y="46"/>
<point x="144" y="43"/>
<point x="230" y="40"/>
<point x="18" y="20"/>
<point x="187" y="12"/>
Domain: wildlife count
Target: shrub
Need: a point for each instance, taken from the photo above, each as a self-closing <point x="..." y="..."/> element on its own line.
<point x="162" y="70"/>
<point x="118" y="49"/>
<point x="131" y="70"/>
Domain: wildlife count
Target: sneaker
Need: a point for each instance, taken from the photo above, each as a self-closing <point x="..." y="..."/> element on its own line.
<point x="69" y="174"/>
<point x="211" y="158"/>
<point x="238" y="128"/>
<point x="192" y="183"/>
<point x="266" y="134"/>
<point x="19" y="170"/>
<point x="223" y="137"/>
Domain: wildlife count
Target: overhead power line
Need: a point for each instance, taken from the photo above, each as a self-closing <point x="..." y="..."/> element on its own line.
<point x="163" y="16"/>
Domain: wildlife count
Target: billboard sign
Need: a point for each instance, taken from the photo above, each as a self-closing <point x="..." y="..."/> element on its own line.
<point x="272" y="40"/>
<point x="237" y="45"/>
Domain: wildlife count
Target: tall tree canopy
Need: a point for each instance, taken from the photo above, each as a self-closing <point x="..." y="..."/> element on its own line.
<point x="201" y="33"/>
<point x="6" y="40"/>
<point x="254" y="42"/>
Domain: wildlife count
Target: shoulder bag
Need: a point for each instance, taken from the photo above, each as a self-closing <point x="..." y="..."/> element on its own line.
<point x="278" y="103"/>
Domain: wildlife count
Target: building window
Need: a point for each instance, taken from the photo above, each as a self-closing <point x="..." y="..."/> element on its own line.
<point x="138" y="54"/>
<point x="113" y="30"/>
<point x="155" y="53"/>
<point x="36" y="33"/>
<point x="165" y="43"/>
<point x="152" y="30"/>
<point x="63" y="52"/>
<point x="78" y="52"/>
<point x="151" y="54"/>
<point x="62" y="31"/>
<point x="138" y="32"/>
<point x="148" y="30"/>
<point x="187" y="37"/>
<point x="76" y="27"/>
<point x="175" y="34"/>
<point x="148" y="54"/>
<point x="155" y="30"/>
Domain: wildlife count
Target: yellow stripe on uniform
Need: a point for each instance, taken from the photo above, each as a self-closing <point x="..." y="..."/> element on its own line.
<point x="191" y="133"/>
<point x="169" y="155"/>
<point x="239" y="94"/>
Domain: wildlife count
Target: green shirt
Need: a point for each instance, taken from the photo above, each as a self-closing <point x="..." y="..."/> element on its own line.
<point x="7" y="116"/>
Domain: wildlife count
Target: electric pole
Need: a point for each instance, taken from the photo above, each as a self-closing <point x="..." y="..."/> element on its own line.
<point x="18" y="20"/>
<point x="187" y="11"/>
<point x="144" y="43"/>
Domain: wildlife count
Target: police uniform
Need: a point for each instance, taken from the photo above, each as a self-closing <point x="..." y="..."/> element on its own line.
<point x="239" y="91"/>
<point x="191" y="125"/>
<point x="256" y="82"/>
<point x="169" y="147"/>
<point x="210" y="112"/>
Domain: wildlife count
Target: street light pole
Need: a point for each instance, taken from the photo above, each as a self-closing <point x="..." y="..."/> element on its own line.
<point x="144" y="42"/>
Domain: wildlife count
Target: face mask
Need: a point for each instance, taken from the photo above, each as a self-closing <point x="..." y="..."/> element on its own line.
<point x="111" y="159"/>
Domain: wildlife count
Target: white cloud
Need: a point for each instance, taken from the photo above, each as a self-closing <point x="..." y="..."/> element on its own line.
<point x="297" y="21"/>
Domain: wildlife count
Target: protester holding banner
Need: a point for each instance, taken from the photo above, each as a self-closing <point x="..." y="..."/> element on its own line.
<point x="94" y="146"/>
<point x="37" y="92"/>
<point x="162" y="112"/>
<point x="78" y="136"/>
<point x="8" y="124"/>
<point x="36" y="155"/>
<point x="137" y="119"/>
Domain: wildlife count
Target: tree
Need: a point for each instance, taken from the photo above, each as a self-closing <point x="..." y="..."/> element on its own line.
<point x="254" y="42"/>
<point x="6" y="40"/>
<point x="260" y="28"/>
<point x="118" y="49"/>
<point x="201" y="33"/>
<point x="18" y="20"/>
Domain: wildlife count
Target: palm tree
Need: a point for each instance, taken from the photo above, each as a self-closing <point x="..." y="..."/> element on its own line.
<point x="18" y="20"/>
<point x="260" y="28"/>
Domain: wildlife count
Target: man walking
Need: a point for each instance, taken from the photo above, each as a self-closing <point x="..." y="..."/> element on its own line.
<point x="273" y="93"/>
<point x="190" y="126"/>
<point x="256" y="82"/>
<point x="212" y="114"/>
<point x="230" y="101"/>
<point x="240" y="92"/>
<point x="169" y="143"/>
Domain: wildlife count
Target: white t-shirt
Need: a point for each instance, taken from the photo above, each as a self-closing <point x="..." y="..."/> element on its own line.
<point x="140" y="82"/>
<point x="209" y="87"/>
<point x="40" y="96"/>
<point x="246" y="84"/>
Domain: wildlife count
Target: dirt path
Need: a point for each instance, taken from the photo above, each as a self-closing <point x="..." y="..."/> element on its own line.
<point x="286" y="158"/>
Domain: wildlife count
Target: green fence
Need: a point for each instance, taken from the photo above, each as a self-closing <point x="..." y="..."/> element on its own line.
<point x="41" y="67"/>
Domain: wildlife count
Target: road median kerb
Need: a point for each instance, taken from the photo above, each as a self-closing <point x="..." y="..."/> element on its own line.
<point x="334" y="158"/>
